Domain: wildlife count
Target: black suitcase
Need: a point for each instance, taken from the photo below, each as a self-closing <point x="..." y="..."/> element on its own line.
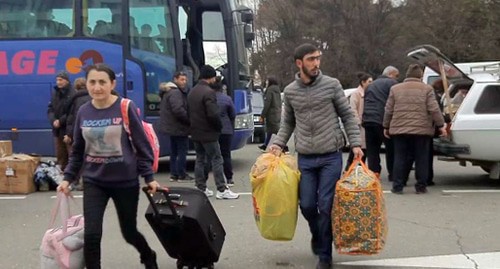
<point x="187" y="226"/>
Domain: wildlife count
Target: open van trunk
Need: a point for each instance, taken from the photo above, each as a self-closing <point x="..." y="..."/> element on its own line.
<point x="475" y="129"/>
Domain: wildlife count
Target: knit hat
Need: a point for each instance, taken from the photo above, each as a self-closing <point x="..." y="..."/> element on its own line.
<point x="63" y="74"/>
<point x="207" y="72"/>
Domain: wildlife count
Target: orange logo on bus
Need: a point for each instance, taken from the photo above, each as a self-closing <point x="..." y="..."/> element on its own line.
<point x="76" y="65"/>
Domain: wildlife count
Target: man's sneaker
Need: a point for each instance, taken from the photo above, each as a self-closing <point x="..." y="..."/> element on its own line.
<point x="186" y="179"/>
<point x="227" y="194"/>
<point x="208" y="192"/>
<point x="173" y="178"/>
<point x="230" y="183"/>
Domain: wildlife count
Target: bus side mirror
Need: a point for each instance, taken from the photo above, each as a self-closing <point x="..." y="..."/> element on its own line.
<point x="249" y="35"/>
<point x="247" y="17"/>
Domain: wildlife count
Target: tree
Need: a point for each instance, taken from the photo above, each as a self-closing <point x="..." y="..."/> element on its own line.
<point x="367" y="35"/>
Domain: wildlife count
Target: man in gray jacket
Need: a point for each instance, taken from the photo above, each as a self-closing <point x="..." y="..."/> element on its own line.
<point x="313" y="104"/>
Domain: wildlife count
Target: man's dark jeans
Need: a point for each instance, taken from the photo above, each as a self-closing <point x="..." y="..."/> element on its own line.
<point x="404" y="145"/>
<point x="208" y="151"/>
<point x="225" y="141"/>
<point x="374" y="137"/>
<point x="95" y="199"/>
<point x="178" y="153"/>
<point x="319" y="174"/>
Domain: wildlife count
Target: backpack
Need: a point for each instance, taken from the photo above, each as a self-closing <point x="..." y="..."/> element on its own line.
<point x="148" y="129"/>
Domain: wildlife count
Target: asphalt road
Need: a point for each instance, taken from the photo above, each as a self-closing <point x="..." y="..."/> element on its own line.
<point x="455" y="225"/>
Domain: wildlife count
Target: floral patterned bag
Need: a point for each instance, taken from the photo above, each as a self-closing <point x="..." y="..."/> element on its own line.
<point x="358" y="216"/>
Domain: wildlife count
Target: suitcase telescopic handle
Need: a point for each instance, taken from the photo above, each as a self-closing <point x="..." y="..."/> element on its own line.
<point x="165" y="193"/>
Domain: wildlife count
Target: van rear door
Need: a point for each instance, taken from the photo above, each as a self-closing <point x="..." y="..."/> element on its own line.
<point x="431" y="57"/>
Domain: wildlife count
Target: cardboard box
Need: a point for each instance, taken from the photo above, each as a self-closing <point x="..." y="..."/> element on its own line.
<point x="5" y="148"/>
<point x="16" y="174"/>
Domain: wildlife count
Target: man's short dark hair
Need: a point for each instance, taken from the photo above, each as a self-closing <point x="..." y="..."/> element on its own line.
<point x="207" y="72"/>
<point x="303" y="50"/>
<point x="179" y="74"/>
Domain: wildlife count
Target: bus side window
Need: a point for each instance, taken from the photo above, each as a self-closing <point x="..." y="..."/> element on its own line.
<point x="146" y="42"/>
<point x="4" y="29"/>
<point x="100" y="29"/>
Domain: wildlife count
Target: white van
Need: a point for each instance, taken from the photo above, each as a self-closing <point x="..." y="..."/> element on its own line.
<point x="475" y="129"/>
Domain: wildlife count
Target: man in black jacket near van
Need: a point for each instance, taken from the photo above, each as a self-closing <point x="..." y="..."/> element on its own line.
<point x="205" y="129"/>
<point x="373" y="116"/>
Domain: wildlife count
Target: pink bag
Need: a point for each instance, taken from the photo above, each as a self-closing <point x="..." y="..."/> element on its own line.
<point x="148" y="129"/>
<point x="62" y="247"/>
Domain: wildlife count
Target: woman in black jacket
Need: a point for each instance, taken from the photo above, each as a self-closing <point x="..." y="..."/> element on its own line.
<point x="272" y="109"/>
<point x="79" y="98"/>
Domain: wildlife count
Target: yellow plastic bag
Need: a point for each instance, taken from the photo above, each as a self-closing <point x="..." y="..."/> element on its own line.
<point x="275" y="193"/>
<point x="358" y="216"/>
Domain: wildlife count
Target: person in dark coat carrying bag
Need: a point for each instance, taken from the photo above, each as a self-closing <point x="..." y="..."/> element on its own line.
<point x="271" y="112"/>
<point x="111" y="163"/>
<point x="313" y="105"/>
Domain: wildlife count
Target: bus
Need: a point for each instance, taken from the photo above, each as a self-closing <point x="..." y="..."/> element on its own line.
<point x="144" y="41"/>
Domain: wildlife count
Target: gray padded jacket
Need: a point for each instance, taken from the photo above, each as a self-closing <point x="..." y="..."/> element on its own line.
<point x="313" y="111"/>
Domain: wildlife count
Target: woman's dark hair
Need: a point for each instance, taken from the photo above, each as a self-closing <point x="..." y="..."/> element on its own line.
<point x="217" y="85"/>
<point x="101" y="68"/>
<point x="271" y="80"/>
<point x="363" y="76"/>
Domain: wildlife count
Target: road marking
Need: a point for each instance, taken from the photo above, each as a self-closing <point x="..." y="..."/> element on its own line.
<point x="471" y="191"/>
<point x="12" y="197"/>
<point x="75" y="196"/>
<point x="490" y="260"/>
<point x="249" y="193"/>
